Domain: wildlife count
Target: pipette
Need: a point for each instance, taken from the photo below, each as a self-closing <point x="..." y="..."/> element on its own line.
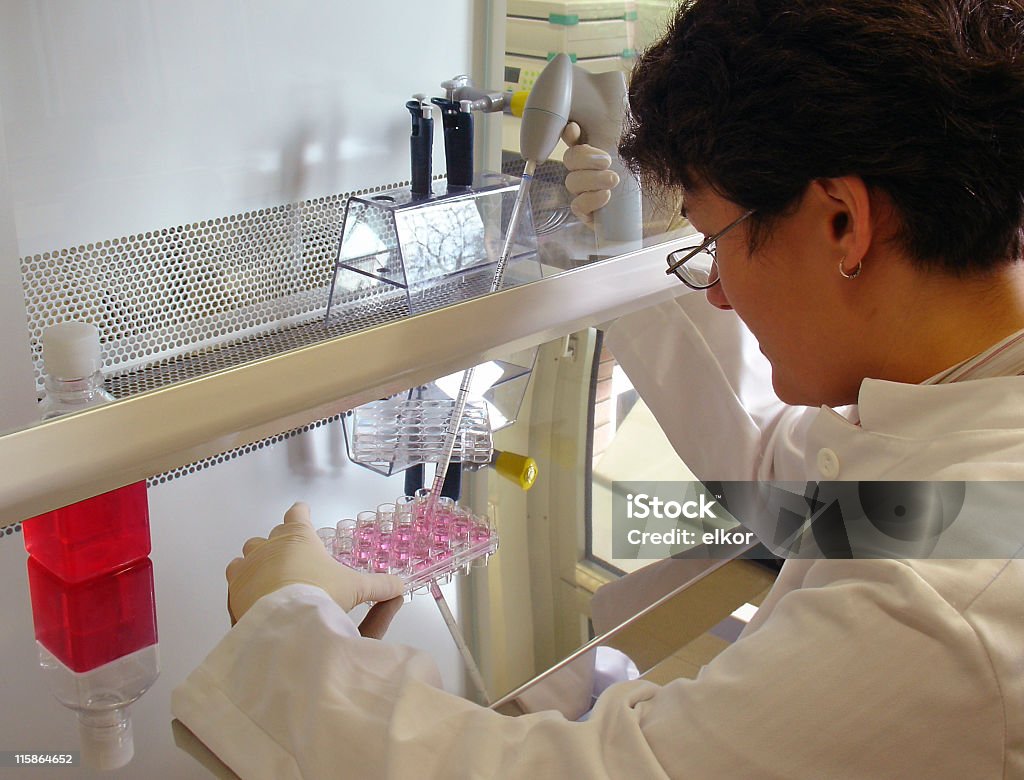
<point x="460" y="642"/>
<point x="421" y="143"/>
<point x="544" y="118"/>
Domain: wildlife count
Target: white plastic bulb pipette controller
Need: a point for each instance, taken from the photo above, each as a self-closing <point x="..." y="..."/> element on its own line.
<point x="544" y="118"/>
<point x="598" y="107"/>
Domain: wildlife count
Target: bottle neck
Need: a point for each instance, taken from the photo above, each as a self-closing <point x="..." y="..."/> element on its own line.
<point x="64" y="396"/>
<point x="106" y="738"/>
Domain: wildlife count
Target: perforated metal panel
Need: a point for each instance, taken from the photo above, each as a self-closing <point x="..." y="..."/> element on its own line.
<point x="168" y="293"/>
<point x="178" y="302"/>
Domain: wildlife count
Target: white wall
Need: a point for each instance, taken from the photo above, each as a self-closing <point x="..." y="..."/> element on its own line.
<point x="124" y="115"/>
<point x="17" y="387"/>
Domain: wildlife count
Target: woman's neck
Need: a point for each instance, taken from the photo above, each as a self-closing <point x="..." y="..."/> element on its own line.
<point x="931" y="321"/>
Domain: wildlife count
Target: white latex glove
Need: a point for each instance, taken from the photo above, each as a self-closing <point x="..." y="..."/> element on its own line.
<point x="292" y="553"/>
<point x="589" y="179"/>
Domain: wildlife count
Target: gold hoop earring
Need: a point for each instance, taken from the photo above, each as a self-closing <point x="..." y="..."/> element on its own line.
<point x="849" y="274"/>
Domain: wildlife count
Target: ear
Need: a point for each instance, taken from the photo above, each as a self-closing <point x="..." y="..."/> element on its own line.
<point x="847" y="204"/>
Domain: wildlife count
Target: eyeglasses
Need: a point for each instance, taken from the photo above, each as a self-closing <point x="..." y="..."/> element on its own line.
<point x="700" y="275"/>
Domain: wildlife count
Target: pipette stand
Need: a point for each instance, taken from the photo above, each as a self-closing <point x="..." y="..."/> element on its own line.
<point x="401" y="253"/>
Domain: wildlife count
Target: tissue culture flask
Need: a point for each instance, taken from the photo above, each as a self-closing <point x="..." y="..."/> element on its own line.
<point x="88" y="624"/>
<point x="92" y="537"/>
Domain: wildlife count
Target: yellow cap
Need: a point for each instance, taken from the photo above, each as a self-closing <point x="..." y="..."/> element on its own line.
<point x="519" y="468"/>
<point x="518" y="103"/>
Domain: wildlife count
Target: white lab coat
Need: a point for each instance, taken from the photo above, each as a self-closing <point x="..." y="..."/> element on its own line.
<point x="850" y="669"/>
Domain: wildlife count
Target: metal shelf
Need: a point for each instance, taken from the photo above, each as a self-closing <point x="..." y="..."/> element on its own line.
<point x="67" y="459"/>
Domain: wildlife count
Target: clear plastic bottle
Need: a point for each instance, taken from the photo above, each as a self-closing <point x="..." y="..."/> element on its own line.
<point x="105" y="532"/>
<point x="97" y="643"/>
<point x="102" y="698"/>
<point x="72" y="362"/>
<point x="90" y="579"/>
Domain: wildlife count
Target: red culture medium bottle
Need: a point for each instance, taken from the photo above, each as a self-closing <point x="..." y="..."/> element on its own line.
<point x="90" y="580"/>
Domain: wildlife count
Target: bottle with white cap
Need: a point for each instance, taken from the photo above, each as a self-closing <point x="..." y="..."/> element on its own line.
<point x="108" y="531"/>
<point x="90" y="580"/>
<point x="72" y="361"/>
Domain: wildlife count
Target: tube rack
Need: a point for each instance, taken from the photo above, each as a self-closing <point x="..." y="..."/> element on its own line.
<point x="407" y="539"/>
<point x="408" y="431"/>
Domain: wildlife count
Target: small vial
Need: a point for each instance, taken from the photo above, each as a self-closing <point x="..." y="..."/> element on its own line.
<point x="404" y="509"/>
<point x="401" y="559"/>
<point x="481" y="531"/>
<point x="361" y="557"/>
<point x="381" y="562"/>
<point x="421" y="548"/>
<point x="438" y="552"/>
<point x="366" y="526"/>
<point x="461" y="527"/>
<point x="441" y="535"/>
<point x="386" y="517"/>
<point x="327" y="536"/>
<point x="343" y="547"/>
<point x="346" y="529"/>
<point x="422" y="504"/>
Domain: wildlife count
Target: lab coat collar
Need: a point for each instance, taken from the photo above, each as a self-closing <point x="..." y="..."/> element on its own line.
<point x="921" y="411"/>
<point x="920" y="432"/>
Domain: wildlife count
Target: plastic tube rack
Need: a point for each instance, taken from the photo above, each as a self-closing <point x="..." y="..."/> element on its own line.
<point x="406" y="539"/>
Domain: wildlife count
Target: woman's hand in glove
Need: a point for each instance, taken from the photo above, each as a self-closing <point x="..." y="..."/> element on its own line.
<point x="589" y="179"/>
<point x="292" y="553"/>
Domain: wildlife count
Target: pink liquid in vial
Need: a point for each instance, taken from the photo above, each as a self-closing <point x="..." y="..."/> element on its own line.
<point x="441" y="536"/>
<point x="418" y="541"/>
<point x="438" y="551"/>
<point x="380" y="563"/>
<point x="420" y="548"/>
<point x="366" y="535"/>
<point x="400" y="554"/>
<point x="404" y="535"/>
